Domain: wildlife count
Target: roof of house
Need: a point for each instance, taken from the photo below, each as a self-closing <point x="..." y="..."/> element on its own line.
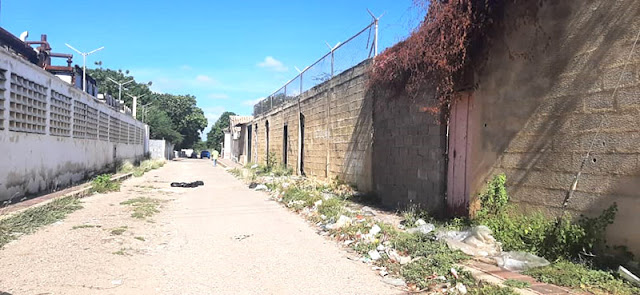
<point x="239" y="120"/>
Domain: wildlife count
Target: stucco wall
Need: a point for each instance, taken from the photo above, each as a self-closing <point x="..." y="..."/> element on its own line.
<point x="545" y="89"/>
<point x="337" y="135"/>
<point x="52" y="135"/>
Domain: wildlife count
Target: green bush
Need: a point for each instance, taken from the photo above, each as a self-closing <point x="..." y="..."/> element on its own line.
<point x="272" y="160"/>
<point x="534" y="232"/>
<point x="103" y="183"/>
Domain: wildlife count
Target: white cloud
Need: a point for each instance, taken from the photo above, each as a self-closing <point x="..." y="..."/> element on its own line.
<point x="272" y="64"/>
<point x="252" y="102"/>
<point x="218" y="96"/>
<point x="205" y="79"/>
<point x="186" y="68"/>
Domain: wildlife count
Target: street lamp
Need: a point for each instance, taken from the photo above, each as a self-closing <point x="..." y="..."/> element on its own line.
<point x="84" y="64"/>
<point x="120" y="86"/>
<point x="135" y="103"/>
<point x="144" y="111"/>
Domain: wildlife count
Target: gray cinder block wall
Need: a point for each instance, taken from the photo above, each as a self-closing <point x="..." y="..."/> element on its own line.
<point x="544" y="94"/>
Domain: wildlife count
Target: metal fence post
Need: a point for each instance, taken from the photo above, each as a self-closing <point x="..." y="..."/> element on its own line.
<point x="331" y="63"/>
<point x="375" y="40"/>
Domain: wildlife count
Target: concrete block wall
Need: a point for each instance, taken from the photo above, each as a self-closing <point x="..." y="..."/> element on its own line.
<point x="53" y="135"/>
<point x="409" y="152"/>
<point x="545" y="97"/>
<point x="337" y="134"/>
<point x="161" y="149"/>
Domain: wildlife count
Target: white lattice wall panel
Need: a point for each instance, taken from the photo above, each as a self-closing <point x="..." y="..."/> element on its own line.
<point x="60" y="115"/>
<point x="92" y="123"/>
<point x="79" y="119"/>
<point x="3" y="91"/>
<point x="103" y="126"/>
<point x="138" y="135"/>
<point x="114" y="129"/>
<point x="27" y="106"/>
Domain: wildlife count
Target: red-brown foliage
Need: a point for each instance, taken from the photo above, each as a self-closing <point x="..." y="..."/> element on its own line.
<point x="438" y="52"/>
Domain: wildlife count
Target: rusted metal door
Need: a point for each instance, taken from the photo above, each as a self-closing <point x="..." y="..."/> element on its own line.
<point x="459" y="147"/>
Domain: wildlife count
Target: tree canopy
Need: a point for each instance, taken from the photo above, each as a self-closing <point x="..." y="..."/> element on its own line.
<point x="176" y="118"/>
<point x="216" y="134"/>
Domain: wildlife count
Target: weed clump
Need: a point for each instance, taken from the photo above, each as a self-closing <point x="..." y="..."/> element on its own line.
<point x="332" y="208"/>
<point x="125" y="167"/>
<point x="143" y="207"/>
<point x="534" y="232"/>
<point x="104" y="184"/>
<point x="516" y="283"/>
<point x="84" y="226"/>
<point x="574" y="275"/>
<point x="118" y="231"/>
<point x="562" y="240"/>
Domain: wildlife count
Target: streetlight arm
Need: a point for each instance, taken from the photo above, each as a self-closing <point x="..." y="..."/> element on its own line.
<point x="76" y="50"/>
<point x="90" y="52"/>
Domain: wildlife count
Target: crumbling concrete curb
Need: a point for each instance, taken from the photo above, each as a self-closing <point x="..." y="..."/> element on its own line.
<point x="82" y="191"/>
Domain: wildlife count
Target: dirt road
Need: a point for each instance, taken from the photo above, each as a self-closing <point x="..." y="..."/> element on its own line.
<point x="220" y="238"/>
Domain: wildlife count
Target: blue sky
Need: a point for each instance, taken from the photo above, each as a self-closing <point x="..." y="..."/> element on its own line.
<point x="228" y="54"/>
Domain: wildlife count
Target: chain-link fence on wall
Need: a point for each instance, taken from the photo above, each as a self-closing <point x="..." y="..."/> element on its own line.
<point x="340" y="58"/>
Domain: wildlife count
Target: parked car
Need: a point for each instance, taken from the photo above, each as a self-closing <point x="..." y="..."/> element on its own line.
<point x="205" y="154"/>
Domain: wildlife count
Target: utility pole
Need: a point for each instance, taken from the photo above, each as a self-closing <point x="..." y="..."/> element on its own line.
<point x="135" y="103"/>
<point x="120" y="86"/>
<point x="84" y="64"/>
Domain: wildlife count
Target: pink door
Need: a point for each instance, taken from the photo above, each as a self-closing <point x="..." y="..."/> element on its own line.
<point x="459" y="146"/>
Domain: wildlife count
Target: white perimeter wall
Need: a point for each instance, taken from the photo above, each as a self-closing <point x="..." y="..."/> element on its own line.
<point x="48" y="143"/>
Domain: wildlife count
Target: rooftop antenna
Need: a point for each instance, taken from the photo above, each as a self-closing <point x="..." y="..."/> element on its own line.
<point x="375" y="38"/>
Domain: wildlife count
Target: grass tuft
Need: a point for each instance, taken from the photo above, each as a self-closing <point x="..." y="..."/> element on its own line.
<point x="492" y="290"/>
<point x="85" y="226"/>
<point x="143" y="207"/>
<point x="516" y="284"/>
<point x="118" y="231"/>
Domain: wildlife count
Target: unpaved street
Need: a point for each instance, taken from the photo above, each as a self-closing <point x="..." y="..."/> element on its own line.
<point x="220" y="238"/>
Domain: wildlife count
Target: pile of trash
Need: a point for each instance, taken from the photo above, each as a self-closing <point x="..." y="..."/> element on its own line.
<point x="187" y="184"/>
<point x="476" y="241"/>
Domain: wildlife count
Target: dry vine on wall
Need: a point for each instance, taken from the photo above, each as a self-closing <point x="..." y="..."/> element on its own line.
<point x="439" y="51"/>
